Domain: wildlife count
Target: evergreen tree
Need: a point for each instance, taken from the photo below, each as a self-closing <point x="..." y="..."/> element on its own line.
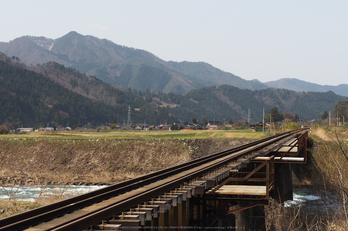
<point x="174" y="127"/>
<point x="324" y="116"/>
<point x="274" y="115"/>
<point x="205" y="123"/>
<point x="296" y="118"/>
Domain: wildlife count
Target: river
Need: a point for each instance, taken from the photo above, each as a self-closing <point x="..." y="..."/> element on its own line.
<point x="34" y="193"/>
<point x="309" y="198"/>
<point x="314" y="201"/>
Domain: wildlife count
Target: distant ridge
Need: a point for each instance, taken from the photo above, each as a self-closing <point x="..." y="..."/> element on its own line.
<point x="300" y="85"/>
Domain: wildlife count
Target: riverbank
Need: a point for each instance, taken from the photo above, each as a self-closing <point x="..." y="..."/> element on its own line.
<point x="325" y="176"/>
<point x="96" y="162"/>
<point x="43" y="162"/>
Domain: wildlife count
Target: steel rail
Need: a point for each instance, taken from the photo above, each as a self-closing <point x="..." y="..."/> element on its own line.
<point x="30" y="218"/>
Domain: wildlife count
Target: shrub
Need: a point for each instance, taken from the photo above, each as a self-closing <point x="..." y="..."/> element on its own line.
<point x="4" y="129"/>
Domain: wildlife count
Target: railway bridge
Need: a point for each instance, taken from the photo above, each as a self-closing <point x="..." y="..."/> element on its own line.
<point x="222" y="191"/>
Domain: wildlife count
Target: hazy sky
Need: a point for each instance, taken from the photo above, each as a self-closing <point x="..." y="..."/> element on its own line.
<point x="254" y="39"/>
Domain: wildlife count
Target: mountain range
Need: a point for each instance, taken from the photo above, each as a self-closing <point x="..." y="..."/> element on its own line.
<point x="121" y="65"/>
<point x="101" y="79"/>
<point x="300" y="85"/>
<point x="139" y="69"/>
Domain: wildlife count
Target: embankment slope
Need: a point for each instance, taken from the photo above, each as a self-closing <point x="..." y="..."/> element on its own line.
<point x="42" y="161"/>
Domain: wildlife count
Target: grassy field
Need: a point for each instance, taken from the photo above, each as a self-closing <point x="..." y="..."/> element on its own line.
<point x="184" y="134"/>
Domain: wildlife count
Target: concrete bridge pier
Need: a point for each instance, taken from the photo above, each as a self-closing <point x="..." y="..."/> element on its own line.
<point x="251" y="219"/>
<point x="283" y="182"/>
<point x="296" y="170"/>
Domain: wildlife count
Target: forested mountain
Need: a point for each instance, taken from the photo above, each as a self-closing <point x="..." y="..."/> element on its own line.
<point x="231" y="103"/>
<point x="124" y="66"/>
<point x="52" y="93"/>
<point x="32" y="98"/>
<point x="300" y="85"/>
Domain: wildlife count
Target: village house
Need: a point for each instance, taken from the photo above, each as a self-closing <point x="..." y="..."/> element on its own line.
<point x="163" y="127"/>
<point x="213" y="127"/>
<point x="214" y="123"/>
<point x="253" y="125"/>
<point x="24" y="129"/>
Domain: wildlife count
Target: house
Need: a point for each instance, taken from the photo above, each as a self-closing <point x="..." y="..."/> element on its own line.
<point x="215" y="122"/>
<point x="180" y="125"/>
<point x="163" y="127"/>
<point x="253" y="125"/>
<point x="25" y="129"/>
<point x="48" y="129"/>
<point x="198" y="126"/>
<point x="272" y="125"/>
<point x="141" y="126"/>
<point x="230" y="126"/>
<point x="152" y="128"/>
<point x="213" y="127"/>
<point x="137" y="127"/>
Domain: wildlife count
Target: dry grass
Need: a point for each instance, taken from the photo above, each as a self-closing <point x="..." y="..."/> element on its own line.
<point x="330" y="160"/>
<point x="8" y="208"/>
<point x="279" y="218"/>
<point x="320" y="134"/>
<point x="131" y="134"/>
<point x="329" y="173"/>
<point x="89" y="161"/>
<point x="329" y="134"/>
<point x="44" y="161"/>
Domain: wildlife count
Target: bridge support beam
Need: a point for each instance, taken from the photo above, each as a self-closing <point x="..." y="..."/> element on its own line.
<point x="182" y="214"/>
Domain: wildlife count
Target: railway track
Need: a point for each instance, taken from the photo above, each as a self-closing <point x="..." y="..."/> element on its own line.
<point x="80" y="212"/>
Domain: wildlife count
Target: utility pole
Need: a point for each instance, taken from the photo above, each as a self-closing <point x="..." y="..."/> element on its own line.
<point x="270" y="124"/>
<point x="329" y="118"/>
<point x="129" y="116"/>
<point x="249" y="116"/>
<point x="263" y="120"/>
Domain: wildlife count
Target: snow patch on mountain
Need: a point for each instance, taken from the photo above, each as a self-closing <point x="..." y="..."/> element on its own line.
<point x="43" y="42"/>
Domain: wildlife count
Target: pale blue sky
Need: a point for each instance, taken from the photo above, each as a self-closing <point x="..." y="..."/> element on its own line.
<point x="256" y="39"/>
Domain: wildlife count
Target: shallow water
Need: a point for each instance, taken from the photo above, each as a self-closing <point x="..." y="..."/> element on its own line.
<point x="313" y="200"/>
<point x="303" y="195"/>
<point x="32" y="193"/>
